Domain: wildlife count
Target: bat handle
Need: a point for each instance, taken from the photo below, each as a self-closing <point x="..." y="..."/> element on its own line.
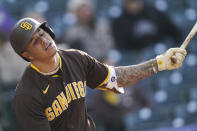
<point x="187" y="40"/>
<point x="189" y="37"/>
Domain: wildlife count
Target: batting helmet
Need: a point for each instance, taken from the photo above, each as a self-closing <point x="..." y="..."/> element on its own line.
<point x="23" y="31"/>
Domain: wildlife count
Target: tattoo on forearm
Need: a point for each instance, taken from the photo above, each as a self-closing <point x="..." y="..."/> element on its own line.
<point x="129" y="75"/>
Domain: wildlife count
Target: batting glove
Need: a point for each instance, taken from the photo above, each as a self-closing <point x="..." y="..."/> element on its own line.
<point x="171" y="59"/>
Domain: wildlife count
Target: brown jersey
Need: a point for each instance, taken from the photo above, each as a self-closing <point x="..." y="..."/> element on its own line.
<point x="57" y="102"/>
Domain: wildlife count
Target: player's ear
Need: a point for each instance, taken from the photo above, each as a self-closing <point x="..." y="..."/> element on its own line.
<point x="27" y="55"/>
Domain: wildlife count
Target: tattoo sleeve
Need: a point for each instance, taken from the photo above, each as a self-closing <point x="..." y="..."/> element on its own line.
<point x="129" y="75"/>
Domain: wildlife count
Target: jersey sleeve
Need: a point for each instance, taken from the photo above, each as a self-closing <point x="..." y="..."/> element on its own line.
<point x="96" y="71"/>
<point x="29" y="114"/>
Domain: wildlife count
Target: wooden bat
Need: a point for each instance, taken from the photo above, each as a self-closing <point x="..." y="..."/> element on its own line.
<point x="187" y="40"/>
<point x="189" y="37"/>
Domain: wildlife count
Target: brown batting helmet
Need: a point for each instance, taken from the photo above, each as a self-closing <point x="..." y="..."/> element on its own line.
<point x="23" y="31"/>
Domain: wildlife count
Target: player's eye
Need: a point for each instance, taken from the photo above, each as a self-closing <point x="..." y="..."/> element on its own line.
<point x="35" y="41"/>
<point x="42" y="33"/>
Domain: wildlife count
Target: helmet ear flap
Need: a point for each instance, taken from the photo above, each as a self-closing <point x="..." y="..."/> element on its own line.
<point x="46" y="28"/>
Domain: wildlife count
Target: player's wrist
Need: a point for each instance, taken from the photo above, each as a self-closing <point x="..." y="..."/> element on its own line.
<point x="154" y="65"/>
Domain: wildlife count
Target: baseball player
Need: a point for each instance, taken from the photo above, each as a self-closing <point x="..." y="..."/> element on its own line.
<point x="51" y="93"/>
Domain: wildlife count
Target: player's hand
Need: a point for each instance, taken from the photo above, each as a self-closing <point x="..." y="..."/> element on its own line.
<point x="171" y="59"/>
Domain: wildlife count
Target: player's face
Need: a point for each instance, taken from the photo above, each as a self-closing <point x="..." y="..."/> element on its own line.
<point x="41" y="47"/>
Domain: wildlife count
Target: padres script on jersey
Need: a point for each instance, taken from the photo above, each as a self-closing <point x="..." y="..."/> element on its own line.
<point x="57" y="102"/>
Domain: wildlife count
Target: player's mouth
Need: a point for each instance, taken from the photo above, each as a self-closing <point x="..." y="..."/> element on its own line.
<point x="48" y="46"/>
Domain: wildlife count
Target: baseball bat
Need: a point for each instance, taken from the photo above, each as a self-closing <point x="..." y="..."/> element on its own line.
<point x="189" y="37"/>
<point x="187" y="40"/>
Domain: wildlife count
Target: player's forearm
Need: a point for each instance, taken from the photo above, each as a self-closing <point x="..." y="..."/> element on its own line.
<point x="129" y="75"/>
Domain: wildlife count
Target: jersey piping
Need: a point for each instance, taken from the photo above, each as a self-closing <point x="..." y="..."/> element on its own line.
<point x="108" y="74"/>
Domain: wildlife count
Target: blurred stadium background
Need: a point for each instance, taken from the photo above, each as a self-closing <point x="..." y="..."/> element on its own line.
<point x="171" y="95"/>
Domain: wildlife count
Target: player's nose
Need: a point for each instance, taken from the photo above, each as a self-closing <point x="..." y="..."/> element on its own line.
<point x="45" y="41"/>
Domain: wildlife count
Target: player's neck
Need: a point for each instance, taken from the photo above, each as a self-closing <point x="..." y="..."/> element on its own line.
<point x="49" y="65"/>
